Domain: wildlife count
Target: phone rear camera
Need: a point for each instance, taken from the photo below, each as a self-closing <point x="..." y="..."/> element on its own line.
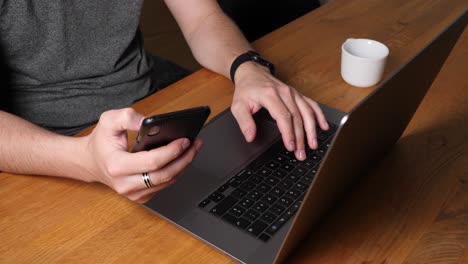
<point x="154" y="131"/>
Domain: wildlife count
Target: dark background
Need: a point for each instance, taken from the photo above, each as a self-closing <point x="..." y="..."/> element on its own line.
<point x="257" y="18"/>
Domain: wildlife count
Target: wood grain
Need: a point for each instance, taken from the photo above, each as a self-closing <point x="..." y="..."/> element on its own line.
<point x="412" y="207"/>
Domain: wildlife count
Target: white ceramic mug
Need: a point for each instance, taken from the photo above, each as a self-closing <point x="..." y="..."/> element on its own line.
<point x="363" y="61"/>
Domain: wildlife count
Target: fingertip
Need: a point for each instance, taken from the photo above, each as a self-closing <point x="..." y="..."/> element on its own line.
<point x="140" y="123"/>
<point x="249" y="134"/>
<point x="301" y="155"/>
<point x="244" y="118"/>
<point x="324" y="125"/>
<point x="290" y="146"/>
<point x="198" y="144"/>
<point x="313" y="143"/>
<point x="185" y="143"/>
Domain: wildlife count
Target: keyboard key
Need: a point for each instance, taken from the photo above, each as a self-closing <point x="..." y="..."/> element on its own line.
<point x="216" y="197"/>
<point x="277" y="209"/>
<point x="268" y="217"/>
<point x="277" y="192"/>
<point x="313" y="171"/>
<point x="278" y="223"/>
<point x="314" y="157"/>
<point x="305" y="183"/>
<point x="238" y="193"/>
<point x="293" y="161"/>
<point x="321" y="151"/>
<point x="293" y="194"/>
<point x="268" y="199"/>
<point x="237" y="211"/>
<point x="302" y="187"/>
<point x="204" y="203"/>
<point x="247" y="186"/>
<point x="280" y="173"/>
<point x="257" y="228"/>
<point x="294" y="177"/>
<point x="287" y="167"/>
<point x="263" y="188"/>
<point x="272" y="181"/>
<point x="288" y="154"/>
<point x="262" y="159"/>
<point x="308" y="164"/>
<point x="223" y="206"/>
<point x="244" y="175"/>
<point x="285" y="184"/>
<point x="264" y="237"/>
<point x="309" y="176"/>
<point x="288" y="214"/>
<point x="273" y="228"/>
<point x="264" y="172"/>
<point x="246" y="203"/>
<point x="234" y="182"/>
<point x="272" y="165"/>
<point x="251" y="215"/>
<point x="260" y="207"/>
<point x="223" y="188"/>
<point x="300" y="170"/>
<point x="284" y="202"/>
<point x="256" y="179"/>
<point x="322" y="136"/>
<point x="239" y="222"/>
<point x="295" y="207"/>
<point x="254" y="195"/>
<point x="280" y="159"/>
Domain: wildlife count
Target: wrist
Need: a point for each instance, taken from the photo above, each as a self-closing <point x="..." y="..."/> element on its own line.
<point x="75" y="158"/>
<point x="247" y="68"/>
<point x="249" y="56"/>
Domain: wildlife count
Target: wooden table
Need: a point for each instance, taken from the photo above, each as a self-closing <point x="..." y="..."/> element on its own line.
<point x="411" y="207"/>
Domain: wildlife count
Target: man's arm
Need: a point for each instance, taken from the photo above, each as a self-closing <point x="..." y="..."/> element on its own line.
<point x="29" y="149"/>
<point x="101" y="156"/>
<point x="215" y="42"/>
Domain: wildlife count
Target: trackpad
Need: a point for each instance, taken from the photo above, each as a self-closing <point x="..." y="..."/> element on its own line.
<point x="225" y="148"/>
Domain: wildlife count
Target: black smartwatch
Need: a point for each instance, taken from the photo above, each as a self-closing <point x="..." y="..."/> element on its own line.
<point x="250" y="56"/>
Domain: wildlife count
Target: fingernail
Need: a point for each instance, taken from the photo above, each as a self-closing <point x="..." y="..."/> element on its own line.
<point x="292" y="145"/>
<point x="185" y="143"/>
<point x="325" y="125"/>
<point x="248" y="135"/>
<point x="314" y="143"/>
<point x="198" y="145"/>
<point x="302" y="155"/>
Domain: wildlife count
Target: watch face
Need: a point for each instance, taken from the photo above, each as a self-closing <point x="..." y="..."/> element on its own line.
<point x="260" y="60"/>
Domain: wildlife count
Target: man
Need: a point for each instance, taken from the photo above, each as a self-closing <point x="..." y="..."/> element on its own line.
<point x="73" y="60"/>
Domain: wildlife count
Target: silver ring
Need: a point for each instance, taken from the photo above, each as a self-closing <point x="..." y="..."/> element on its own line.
<point x="147" y="180"/>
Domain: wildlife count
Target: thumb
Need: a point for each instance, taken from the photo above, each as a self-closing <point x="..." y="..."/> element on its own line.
<point x="243" y="115"/>
<point x="121" y="120"/>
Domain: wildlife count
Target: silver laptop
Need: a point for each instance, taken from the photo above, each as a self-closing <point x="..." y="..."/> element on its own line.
<point x="255" y="202"/>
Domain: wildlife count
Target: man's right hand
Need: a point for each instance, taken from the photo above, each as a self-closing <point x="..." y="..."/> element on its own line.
<point x="109" y="161"/>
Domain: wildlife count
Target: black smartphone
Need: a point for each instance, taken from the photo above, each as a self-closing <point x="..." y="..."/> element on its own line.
<point x="160" y="130"/>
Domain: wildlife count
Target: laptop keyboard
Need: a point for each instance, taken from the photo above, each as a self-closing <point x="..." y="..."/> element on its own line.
<point x="261" y="198"/>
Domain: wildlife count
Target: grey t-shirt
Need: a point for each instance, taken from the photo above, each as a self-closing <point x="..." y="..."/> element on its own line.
<point x="71" y="60"/>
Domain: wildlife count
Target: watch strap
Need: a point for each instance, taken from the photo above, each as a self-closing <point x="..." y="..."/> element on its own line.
<point x="250" y="56"/>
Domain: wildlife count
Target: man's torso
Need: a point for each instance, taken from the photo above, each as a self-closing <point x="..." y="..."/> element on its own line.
<point x="72" y="60"/>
